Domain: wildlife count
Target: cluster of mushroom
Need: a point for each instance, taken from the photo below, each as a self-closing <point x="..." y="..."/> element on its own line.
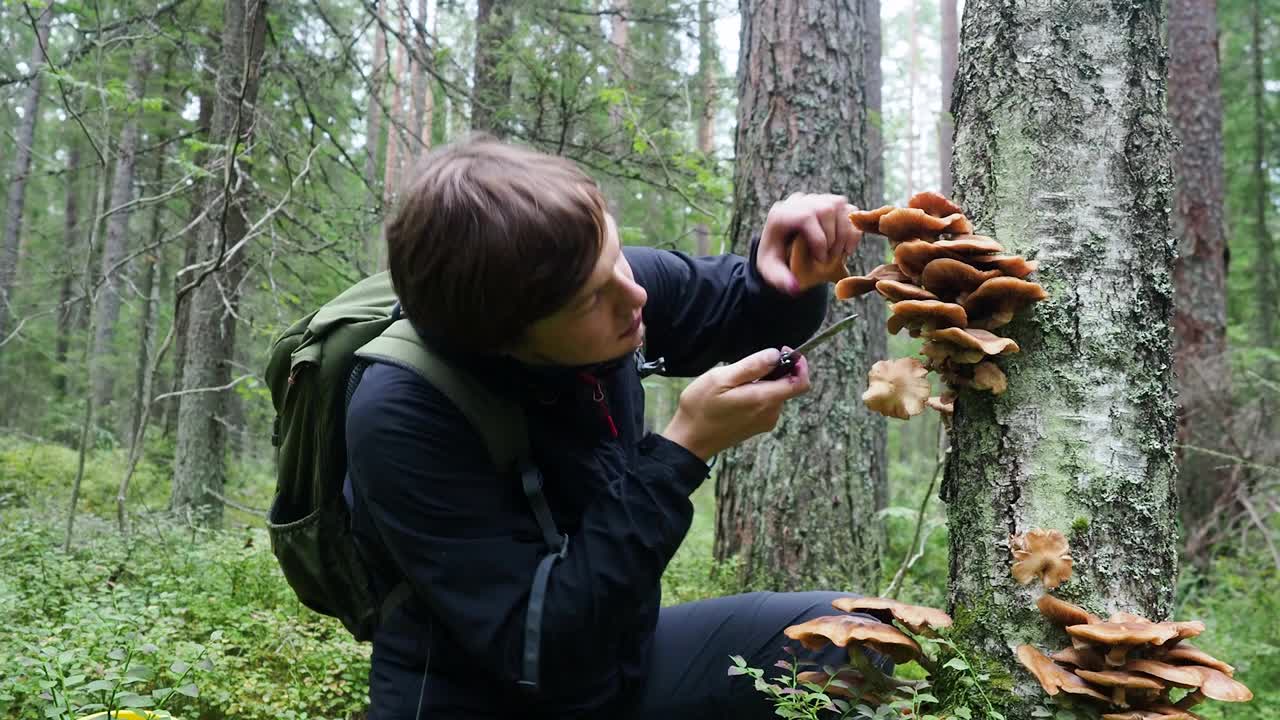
<point x="1128" y="662"/>
<point x="864" y="681"/>
<point x="949" y="286"/>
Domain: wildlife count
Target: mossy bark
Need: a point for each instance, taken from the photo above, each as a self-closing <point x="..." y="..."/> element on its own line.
<point x="797" y="506"/>
<point x="1062" y="154"/>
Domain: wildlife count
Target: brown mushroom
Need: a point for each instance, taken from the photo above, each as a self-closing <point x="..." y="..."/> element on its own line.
<point x="967" y="245"/>
<point x="925" y="315"/>
<point x="856" y="285"/>
<point x="988" y="376"/>
<point x="1140" y="715"/>
<point x="844" y="629"/>
<point x="847" y="683"/>
<point x="897" y="388"/>
<point x="944" y="403"/>
<point x="948" y="277"/>
<point x="934" y="204"/>
<point x="987" y="342"/>
<point x="1011" y="265"/>
<point x="905" y="223"/>
<point x="869" y="220"/>
<point x="916" y="618"/>
<point x="1122" y="637"/>
<point x="1088" y="659"/>
<point x="1185" y="652"/>
<point x="1173" y="674"/>
<point x="996" y="300"/>
<point x="941" y="352"/>
<point x="912" y="256"/>
<point x="1169" y="712"/>
<point x="1062" y="613"/>
<point x="1217" y="685"/>
<point x="810" y="272"/>
<point x="897" y="291"/>
<point x="1041" y="553"/>
<point x="1053" y="677"/>
<point x="1120" y="681"/>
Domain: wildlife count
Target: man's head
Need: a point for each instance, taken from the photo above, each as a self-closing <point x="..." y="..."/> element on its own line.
<point x="497" y="249"/>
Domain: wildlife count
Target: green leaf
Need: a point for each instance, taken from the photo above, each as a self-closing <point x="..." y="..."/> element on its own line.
<point x="178" y="667"/>
<point x="189" y="690"/>
<point x="993" y="715"/>
<point x="117" y="654"/>
<point x="738" y="660"/>
<point x="134" y="700"/>
<point x="957" y="664"/>
<point x="963" y="712"/>
<point x="1041" y="711"/>
<point x="98" y="686"/>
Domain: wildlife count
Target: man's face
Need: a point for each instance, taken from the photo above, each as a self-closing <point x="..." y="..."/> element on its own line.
<point x="600" y="322"/>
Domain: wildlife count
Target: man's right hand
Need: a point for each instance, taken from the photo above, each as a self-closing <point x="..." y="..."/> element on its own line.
<point x="724" y="406"/>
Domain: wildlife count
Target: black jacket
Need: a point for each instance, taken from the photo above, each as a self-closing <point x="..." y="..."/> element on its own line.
<point x="429" y="506"/>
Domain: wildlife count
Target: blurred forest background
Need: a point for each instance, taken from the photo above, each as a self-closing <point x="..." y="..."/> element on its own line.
<point x="143" y="275"/>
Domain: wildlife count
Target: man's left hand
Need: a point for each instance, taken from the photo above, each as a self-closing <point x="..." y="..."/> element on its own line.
<point x="822" y="221"/>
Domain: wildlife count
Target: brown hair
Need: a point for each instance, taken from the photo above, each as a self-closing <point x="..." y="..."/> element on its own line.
<point x="489" y="238"/>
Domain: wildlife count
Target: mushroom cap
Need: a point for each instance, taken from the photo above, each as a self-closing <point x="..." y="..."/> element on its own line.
<point x="1120" y="616"/>
<point x="912" y="256"/>
<point x="898" y="291"/>
<point x="1119" y="678"/>
<point x="940" y="352"/>
<point x="1180" y="676"/>
<point x="915" y="617"/>
<point x="905" y="223"/>
<point x="869" y="220"/>
<point x="897" y="388"/>
<point x="1063" y="613"/>
<point x="1186" y="653"/>
<point x="989" y="376"/>
<point x="925" y="314"/>
<point x="1218" y="685"/>
<point x="1141" y="715"/>
<point x="1053" y="677"/>
<point x="966" y="244"/>
<point x="856" y="285"/>
<point x="1169" y="712"/>
<point x="996" y="300"/>
<point x="1012" y="265"/>
<point x="1127" y="633"/>
<point x="1041" y="553"/>
<point x="988" y="342"/>
<point x="809" y="272"/>
<point x="948" y="277"/>
<point x="944" y="403"/>
<point x="844" y="629"/>
<point x="1080" y="657"/>
<point x="934" y="204"/>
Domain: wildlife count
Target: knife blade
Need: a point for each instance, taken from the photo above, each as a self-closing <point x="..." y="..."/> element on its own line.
<point x="787" y="363"/>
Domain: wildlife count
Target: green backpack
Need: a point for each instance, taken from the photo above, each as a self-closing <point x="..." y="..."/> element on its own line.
<point x="313" y="370"/>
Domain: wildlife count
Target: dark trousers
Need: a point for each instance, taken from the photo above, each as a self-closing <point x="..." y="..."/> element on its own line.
<point x="689" y="677"/>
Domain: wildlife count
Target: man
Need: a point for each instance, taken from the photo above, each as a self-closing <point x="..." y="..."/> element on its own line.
<point x="508" y="264"/>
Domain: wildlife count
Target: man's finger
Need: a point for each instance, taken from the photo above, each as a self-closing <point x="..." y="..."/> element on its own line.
<point x="789" y="386"/>
<point x="812" y="233"/>
<point x="752" y="367"/>
<point x="829" y="224"/>
<point x="846" y="238"/>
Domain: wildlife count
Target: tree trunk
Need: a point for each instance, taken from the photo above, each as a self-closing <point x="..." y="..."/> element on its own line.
<point x="491" y="90"/>
<point x="70" y="242"/>
<point x="708" y="64"/>
<point x="946" y="128"/>
<point x="875" y="117"/>
<point x="199" y="468"/>
<point x="913" y="54"/>
<point x="1268" y="304"/>
<point x="1066" y="160"/>
<point x="106" y="304"/>
<point x="21" y="170"/>
<point x="1200" y="273"/>
<point x="799" y="518"/>
<point x="618" y="40"/>
<point x="373" y="131"/>
<point x="395" y="146"/>
<point x="423" y="100"/>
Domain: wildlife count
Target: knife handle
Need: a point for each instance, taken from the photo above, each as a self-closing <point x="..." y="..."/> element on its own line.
<point x="786" y="366"/>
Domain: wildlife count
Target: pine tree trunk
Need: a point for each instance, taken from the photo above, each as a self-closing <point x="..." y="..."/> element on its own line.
<point x="913" y="54"/>
<point x="1268" y="303"/>
<point x="797" y="505"/>
<point x="491" y="90"/>
<point x="395" y="146"/>
<point x="21" y="168"/>
<point x="946" y="128"/>
<point x="618" y="40"/>
<point x="106" y="304"/>
<point x="707" y="64"/>
<point x="875" y="118"/>
<point x="199" y="468"/>
<point x="1200" y="274"/>
<point x="1066" y="160"/>
<point x="70" y="243"/>
<point x="373" y="131"/>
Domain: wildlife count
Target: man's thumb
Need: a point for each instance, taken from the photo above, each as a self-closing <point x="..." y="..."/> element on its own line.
<point x="752" y="367"/>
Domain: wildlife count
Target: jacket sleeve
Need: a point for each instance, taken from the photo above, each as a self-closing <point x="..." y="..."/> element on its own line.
<point x="469" y="545"/>
<point x="703" y="311"/>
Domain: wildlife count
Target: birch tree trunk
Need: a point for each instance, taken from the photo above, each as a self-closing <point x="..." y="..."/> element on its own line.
<point x="21" y="169"/>
<point x="871" y="56"/>
<point x="797" y="505"/>
<point x="946" y="128"/>
<point x="1200" y="274"/>
<point x="1062" y="154"/>
<point x="199" y="468"/>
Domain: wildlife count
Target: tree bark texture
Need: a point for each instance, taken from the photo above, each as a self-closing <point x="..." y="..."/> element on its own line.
<point x="373" y="131"/>
<point x="491" y="88"/>
<point x="946" y="128"/>
<point x="106" y="305"/>
<point x="1268" y="303"/>
<point x="26" y="136"/>
<point x="797" y="505"/>
<point x="708" y="64"/>
<point x="1200" y="274"/>
<point x="1062" y="154"/>
<point x="871" y="55"/>
<point x="201" y="438"/>
<point x="70" y="243"/>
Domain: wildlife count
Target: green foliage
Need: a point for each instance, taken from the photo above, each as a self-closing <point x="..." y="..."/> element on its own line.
<point x="38" y="473"/>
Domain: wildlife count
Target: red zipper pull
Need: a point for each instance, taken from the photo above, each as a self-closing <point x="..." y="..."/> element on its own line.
<point x="599" y="399"/>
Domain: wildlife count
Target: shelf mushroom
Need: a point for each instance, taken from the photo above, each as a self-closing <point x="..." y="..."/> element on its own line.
<point x="1122" y="637"/>
<point x="1053" y="677"/>
<point x="1062" y="613"/>
<point x="856" y="285"/>
<point x="1041" y="553"/>
<point x="897" y="388"/>
<point x="809" y="271"/>
<point x="1119" y="681"/>
<point x="996" y="301"/>
<point x="916" y="618"/>
<point x="924" y="315"/>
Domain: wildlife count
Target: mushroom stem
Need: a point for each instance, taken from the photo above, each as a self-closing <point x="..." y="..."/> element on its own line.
<point x="1190" y="700"/>
<point x="1117" y="655"/>
<point x="1117" y="696"/>
<point x="873" y="674"/>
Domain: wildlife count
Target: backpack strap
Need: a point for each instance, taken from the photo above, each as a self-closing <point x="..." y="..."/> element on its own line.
<point x="502" y="425"/>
